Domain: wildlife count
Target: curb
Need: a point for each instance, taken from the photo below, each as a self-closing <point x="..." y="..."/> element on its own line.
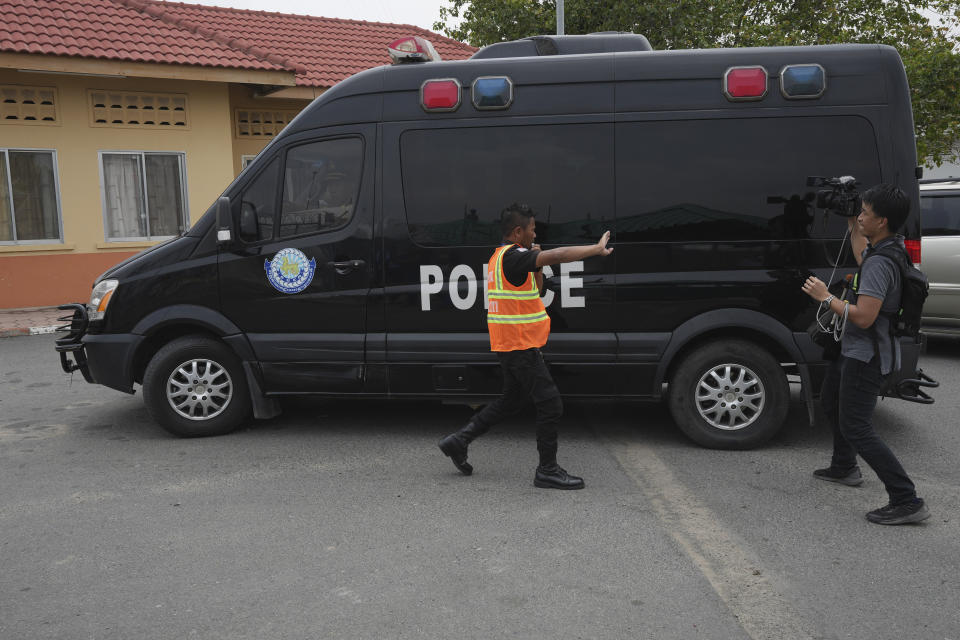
<point x="31" y="331"/>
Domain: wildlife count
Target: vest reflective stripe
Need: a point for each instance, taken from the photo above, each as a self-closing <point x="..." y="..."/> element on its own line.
<point x="516" y="317"/>
<point x="524" y="292"/>
<point x="512" y="295"/>
<point x="498" y="267"/>
<point x="519" y="319"/>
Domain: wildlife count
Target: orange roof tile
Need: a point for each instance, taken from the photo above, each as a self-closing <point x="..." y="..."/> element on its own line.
<point x="327" y="49"/>
<point x="322" y="51"/>
<point x="112" y="30"/>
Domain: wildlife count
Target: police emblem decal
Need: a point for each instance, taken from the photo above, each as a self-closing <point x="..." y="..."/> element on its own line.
<point x="290" y="271"/>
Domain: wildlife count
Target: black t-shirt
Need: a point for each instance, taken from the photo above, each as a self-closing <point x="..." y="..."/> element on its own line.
<point x="518" y="262"/>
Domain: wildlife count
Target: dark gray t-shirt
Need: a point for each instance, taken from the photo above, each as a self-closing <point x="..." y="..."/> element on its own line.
<point x="879" y="278"/>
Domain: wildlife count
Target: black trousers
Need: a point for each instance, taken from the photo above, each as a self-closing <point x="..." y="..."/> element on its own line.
<point x="849" y="396"/>
<point x="525" y="379"/>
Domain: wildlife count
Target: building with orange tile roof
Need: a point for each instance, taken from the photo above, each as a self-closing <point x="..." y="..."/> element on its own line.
<point x="121" y="121"/>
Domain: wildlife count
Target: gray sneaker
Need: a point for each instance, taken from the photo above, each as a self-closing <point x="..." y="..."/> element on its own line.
<point x="851" y="478"/>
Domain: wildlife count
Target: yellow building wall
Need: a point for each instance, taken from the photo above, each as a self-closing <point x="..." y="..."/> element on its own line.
<point x="49" y="274"/>
<point x="242" y="98"/>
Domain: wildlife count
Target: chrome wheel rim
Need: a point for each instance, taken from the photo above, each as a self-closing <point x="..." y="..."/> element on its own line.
<point x="730" y="397"/>
<point x="199" y="389"/>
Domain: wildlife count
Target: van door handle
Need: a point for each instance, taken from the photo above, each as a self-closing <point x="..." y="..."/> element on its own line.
<point x="346" y="266"/>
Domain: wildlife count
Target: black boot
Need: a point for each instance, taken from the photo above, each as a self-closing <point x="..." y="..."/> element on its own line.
<point x="549" y="474"/>
<point x="555" y="477"/>
<point x="455" y="446"/>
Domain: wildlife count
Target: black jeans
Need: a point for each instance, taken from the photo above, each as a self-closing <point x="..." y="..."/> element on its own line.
<point x="526" y="378"/>
<point x="849" y="396"/>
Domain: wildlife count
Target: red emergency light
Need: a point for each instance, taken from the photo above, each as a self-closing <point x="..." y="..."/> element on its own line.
<point x="745" y="83"/>
<point x="412" y="49"/>
<point x="442" y="94"/>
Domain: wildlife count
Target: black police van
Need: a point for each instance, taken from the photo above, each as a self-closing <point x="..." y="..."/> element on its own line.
<point x="349" y="259"/>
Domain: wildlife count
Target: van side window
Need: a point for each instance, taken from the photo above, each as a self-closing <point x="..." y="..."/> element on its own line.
<point x="258" y="204"/>
<point x="457" y="181"/>
<point x="320" y="186"/>
<point x="940" y="215"/>
<point x="734" y="178"/>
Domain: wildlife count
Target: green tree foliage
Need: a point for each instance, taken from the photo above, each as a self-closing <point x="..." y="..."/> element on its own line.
<point x="930" y="48"/>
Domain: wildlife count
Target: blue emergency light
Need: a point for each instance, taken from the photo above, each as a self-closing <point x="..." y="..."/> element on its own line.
<point x="803" y="81"/>
<point x="492" y="92"/>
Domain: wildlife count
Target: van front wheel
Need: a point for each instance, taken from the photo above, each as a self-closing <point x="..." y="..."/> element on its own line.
<point x="729" y="395"/>
<point x="195" y="386"/>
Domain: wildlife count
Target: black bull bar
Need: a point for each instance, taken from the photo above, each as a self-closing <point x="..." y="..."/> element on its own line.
<point x="72" y="343"/>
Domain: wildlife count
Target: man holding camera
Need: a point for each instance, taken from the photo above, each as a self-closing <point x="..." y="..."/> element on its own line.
<point x="867" y="353"/>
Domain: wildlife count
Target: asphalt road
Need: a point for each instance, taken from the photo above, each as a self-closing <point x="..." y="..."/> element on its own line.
<point x="343" y="520"/>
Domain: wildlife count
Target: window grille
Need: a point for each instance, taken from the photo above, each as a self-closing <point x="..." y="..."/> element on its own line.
<point x="28" y="105"/>
<point x="262" y="124"/>
<point x="139" y="110"/>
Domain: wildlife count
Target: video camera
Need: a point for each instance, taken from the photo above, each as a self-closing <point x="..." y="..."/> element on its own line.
<point x="842" y="197"/>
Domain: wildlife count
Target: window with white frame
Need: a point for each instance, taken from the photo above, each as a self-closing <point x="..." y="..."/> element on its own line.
<point x="245" y="160"/>
<point x="144" y="194"/>
<point x="29" y="196"/>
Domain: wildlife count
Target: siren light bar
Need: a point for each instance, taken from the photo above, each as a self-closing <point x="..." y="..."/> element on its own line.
<point x="412" y="49"/>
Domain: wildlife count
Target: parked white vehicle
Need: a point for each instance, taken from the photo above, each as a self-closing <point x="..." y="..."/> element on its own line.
<point x="940" y="255"/>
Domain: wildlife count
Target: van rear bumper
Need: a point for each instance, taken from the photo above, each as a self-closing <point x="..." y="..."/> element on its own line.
<point x="101" y="359"/>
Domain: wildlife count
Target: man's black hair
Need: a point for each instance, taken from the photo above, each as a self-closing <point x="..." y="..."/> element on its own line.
<point x="516" y="215"/>
<point x="890" y="202"/>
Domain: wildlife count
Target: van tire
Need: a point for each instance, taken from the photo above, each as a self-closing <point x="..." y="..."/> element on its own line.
<point x="749" y="415"/>
<point x="222" y="404"/>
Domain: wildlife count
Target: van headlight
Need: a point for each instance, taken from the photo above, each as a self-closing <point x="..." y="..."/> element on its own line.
<point x="100" y="298"/>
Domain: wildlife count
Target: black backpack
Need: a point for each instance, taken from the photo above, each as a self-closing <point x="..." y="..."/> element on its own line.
<point x="914" y="286"/>
<point x="906" y="381"/>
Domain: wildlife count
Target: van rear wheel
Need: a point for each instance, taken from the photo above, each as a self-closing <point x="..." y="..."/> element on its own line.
<point x="729" y="395"/>
<point x="195" y="386"/>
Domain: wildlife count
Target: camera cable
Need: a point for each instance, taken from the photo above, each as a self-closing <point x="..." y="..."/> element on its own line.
<point x="837" y="324"/>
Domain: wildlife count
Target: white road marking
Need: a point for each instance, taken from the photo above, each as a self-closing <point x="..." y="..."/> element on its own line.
<point x="735" y="573"/>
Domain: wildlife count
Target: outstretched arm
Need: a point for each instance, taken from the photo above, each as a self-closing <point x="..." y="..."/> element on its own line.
<point x="572" y="254"/>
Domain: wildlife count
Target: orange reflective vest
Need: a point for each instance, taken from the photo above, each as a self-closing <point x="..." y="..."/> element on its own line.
<point x="516" y="317"/>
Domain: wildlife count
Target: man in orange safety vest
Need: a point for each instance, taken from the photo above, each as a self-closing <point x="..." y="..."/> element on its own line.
<point x="519" y="325"/>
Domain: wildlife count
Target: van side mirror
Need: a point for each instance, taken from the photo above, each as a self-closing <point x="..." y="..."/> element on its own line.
<point x="224" y="221"/>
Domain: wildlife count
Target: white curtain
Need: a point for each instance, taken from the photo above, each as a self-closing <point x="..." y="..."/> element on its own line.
<point x="34" y="195"/>
<point x="123" y="196"/>
<point x="164" y="194"/>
